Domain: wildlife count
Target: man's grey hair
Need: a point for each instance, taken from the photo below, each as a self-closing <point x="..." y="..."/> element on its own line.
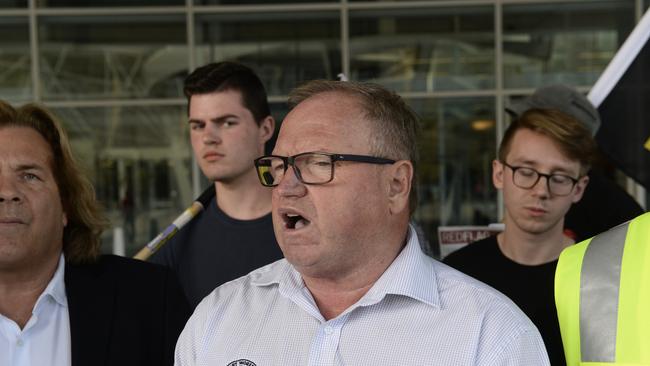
<point x="396" y="125"/>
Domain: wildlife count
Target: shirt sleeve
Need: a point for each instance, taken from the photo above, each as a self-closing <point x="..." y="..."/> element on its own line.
<point x="186" y="348"/>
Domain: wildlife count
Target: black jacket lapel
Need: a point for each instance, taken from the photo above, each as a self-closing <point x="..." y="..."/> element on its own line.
<point x="91" y="302"/>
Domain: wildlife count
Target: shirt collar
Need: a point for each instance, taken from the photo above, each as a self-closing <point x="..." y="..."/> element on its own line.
<point x="56" y="288"/>
<point x="281" y="273"/>
<point x="411" y="274"/>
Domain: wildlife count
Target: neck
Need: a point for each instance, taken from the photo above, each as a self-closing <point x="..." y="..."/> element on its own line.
<point x="333" y="299"/>
<point x="335" y="292"/>
<point x="244" y="199"/>
<point x="533" y="248"/>
<point x="19" y="290"/>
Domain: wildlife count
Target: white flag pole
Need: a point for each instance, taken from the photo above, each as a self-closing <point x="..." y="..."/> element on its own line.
<point x="621" y="61"/>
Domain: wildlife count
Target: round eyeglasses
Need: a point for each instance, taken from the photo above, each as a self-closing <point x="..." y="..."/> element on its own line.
<point x="527" y="178"/>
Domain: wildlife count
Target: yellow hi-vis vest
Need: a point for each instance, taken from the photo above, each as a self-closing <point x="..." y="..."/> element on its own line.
<point x="602" y="294"/>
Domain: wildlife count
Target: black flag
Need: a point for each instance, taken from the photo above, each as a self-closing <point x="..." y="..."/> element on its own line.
<point x="622" y="96"/>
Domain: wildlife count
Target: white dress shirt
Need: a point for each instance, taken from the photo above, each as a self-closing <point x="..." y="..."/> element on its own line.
<point x="45" y="339"/>
<point x="419" y="312"/>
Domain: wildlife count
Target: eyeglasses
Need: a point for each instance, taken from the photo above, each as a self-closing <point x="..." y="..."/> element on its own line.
<point x="527" y="178"/>
<point x="309" y="167"/>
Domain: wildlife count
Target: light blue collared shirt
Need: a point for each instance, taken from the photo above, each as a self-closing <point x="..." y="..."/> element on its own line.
<point x="45" y="339"/>
<point x="419" y="312"/>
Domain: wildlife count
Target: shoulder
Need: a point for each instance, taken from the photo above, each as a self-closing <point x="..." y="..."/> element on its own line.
<point x="130" y="266"/>
<point x="460" y="292"/>
<point x="455" y="286"/>
<point x="480" y="309"/>
<point x="241" y="298"/>
<point x="129" y="283"/>
<point x="260" y="282"/>
<point x="477" y="250"/>
<point x="125" y="271"/>
<point x="193" y="232"/>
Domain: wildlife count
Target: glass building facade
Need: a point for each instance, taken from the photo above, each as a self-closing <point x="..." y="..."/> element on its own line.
<point x="113" y="72"/>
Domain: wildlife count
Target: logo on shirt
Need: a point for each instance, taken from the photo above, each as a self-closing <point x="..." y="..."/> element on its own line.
<point x="242" y="362"/>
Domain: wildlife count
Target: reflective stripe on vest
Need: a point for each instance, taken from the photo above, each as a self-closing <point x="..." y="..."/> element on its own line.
<point x="602" y="292"/>
<point x="599" y="284"/>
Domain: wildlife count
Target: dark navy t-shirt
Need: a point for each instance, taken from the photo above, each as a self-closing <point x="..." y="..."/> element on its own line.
<point x="214" y="248"/>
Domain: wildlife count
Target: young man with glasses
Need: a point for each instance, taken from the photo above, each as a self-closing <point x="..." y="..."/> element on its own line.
<point x="230" y="122"/>
<point x="354" y="287"/>
<point x="541" y="170"/>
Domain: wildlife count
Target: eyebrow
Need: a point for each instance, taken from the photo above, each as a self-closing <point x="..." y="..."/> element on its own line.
<point x="216" y="120"/>
<point x="554" y="169"/>
<point x="30" y="166"/>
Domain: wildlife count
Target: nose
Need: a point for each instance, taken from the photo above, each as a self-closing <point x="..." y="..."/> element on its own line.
<point x="8" y="192"/>
<point x="290" y="185"/>
<point x="541" y="188"/>
<point x="211" y="134"/>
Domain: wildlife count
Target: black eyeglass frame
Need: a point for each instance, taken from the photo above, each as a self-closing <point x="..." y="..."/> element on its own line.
<point x="514" y="169"/>
<point x="290" y="161"/>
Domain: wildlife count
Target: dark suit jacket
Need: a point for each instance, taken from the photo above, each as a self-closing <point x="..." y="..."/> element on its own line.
<point x="123" y="312"/>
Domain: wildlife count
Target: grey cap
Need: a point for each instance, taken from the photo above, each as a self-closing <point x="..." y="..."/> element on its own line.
<point x="564" y="99"/>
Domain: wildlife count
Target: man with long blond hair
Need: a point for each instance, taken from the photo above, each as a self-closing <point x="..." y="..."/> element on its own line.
<point x="61" y="302"/>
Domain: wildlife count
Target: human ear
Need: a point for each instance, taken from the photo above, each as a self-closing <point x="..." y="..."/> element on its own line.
<point x="266" y="128"/>
<point x="497" y="174"/>
<point x="579" y="189"/>
<point x="400" y="179"/>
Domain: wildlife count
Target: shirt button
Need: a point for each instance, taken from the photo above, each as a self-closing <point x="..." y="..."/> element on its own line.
<point x="329" y="330"/>
<point x="20" y="343"/>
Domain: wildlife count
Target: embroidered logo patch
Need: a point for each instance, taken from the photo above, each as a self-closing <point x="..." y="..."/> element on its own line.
<point x="242" y="362"/>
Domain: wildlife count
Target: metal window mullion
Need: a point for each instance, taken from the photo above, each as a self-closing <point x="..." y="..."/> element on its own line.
<point x="273" y="8"/>
<point x="117" y="10"/>
<point x="418" y="4"/>
<point x="499" y="97"/>
<point x="345" y="38"/>
<point x="191" y="44"/>
<point x="150" y="102"/>
<point x="191" y="62"/>
<point x="33" y="50"/>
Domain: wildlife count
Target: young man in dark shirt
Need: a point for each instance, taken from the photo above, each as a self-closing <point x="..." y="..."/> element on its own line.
<point x="585" y="218"/>
<point x="542" y="170"/>
<point x="230" y="122"/>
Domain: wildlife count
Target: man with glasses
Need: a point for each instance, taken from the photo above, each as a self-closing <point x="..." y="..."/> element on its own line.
<point x="585" y="218"/>
<point x="354" y="287"/>
<point x="541" y="170"/>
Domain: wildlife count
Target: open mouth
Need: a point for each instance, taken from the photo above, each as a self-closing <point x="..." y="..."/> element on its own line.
<point x="294" y="221"/>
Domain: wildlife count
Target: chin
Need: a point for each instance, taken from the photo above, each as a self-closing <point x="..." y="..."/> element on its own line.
<point x="301" y="261"/>
<point x="297" y="251"/>
<point x="538" y="227"/>
<point x="218" y="178"/>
